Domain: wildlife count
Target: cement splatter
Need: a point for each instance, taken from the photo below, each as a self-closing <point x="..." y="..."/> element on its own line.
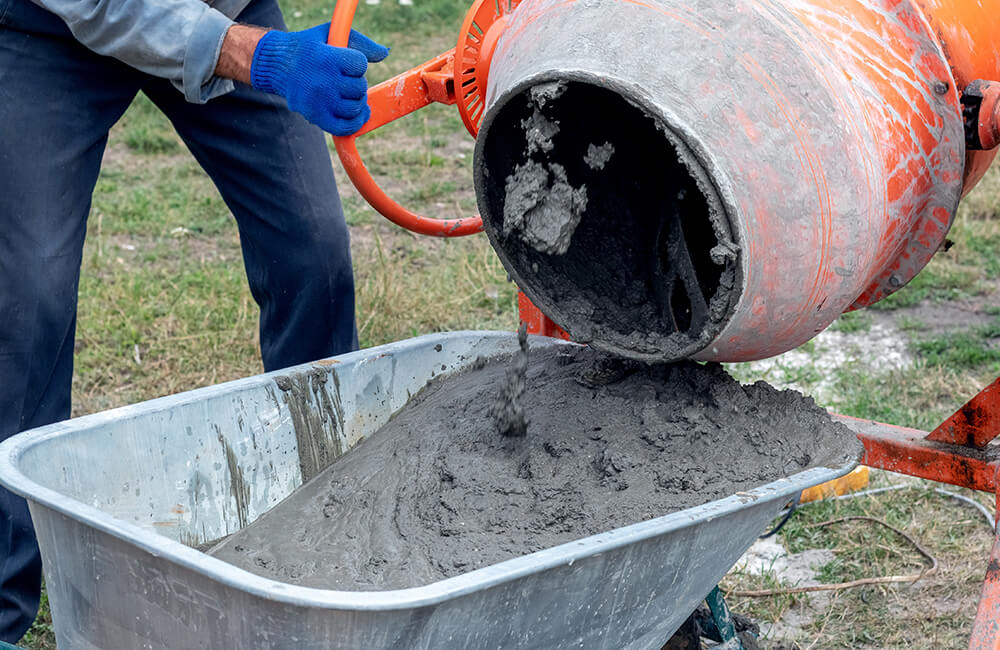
<point x="539" y="131"/>
<point x="238" y="487"/>
<point x="542" y="94"/>
<point x="317" y="416"/>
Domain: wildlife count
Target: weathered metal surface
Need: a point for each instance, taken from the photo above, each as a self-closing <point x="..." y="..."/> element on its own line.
<point x="114" y="494"/>
<point x="976" y="423"/>
<point x="899" y="76"/>
<point x="967" y="31"/>
<point x="908" y="451"/>
<point x="986" y="628"/>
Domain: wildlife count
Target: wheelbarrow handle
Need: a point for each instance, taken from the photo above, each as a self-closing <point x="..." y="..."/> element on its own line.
<point x="430" y="82"/>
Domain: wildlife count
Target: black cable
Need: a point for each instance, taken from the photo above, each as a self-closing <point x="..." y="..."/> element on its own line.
<point x="784" y="520"/>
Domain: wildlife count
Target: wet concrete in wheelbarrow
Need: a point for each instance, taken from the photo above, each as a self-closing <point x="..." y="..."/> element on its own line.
<point x="439" y="491"/>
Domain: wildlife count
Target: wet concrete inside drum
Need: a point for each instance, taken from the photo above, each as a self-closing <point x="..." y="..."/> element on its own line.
<point x="606" y="221"/>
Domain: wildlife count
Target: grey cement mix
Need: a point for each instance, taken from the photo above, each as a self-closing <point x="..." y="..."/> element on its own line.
<point x="540" y="204"/>
<point x="439" y="491"/>
<point x="507" y="411"/>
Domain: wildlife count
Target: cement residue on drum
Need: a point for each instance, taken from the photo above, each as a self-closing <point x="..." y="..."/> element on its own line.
<point x="598" y="156"/>
<point x="538" y="132"/>
<point x="543" y="207"/>
<point x="439" y="492"/>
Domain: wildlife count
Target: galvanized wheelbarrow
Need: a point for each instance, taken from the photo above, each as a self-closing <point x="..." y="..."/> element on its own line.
<point x="120" y="499"/>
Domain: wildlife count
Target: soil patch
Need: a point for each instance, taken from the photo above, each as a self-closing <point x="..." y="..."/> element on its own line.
<point x="439" y="491"/>
<point x="931" y="318"/>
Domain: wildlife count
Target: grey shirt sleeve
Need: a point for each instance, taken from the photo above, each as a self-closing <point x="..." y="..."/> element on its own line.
<point x="179" y="40"/>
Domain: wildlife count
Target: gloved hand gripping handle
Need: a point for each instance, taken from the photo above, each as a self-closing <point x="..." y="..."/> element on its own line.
<point x="399" y="96"/>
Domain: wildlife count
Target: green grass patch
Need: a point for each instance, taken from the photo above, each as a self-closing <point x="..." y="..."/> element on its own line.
<point x="934" y="612"/>
<point x="962" y="350"/>
<point x="147" y="131"/>
<point x="920" y="396"/>
<point x="853" y="322"/>
<point x="41" y="636"/>
<point x="461" y="285"/>
<point x="160" y="200"/>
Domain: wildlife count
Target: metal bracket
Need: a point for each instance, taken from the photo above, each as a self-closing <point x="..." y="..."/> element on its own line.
<point x="981" y="112"/>
<point x="723" y="619"/>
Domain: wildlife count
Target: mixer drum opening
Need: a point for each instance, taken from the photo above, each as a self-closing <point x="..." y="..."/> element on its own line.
<point x="605" y="220"/>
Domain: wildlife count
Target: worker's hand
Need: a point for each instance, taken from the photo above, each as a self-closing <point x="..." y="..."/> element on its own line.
<point x="325" y="84"/>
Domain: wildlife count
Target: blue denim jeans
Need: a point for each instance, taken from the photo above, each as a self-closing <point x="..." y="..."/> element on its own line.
<point x="57" y="102"/>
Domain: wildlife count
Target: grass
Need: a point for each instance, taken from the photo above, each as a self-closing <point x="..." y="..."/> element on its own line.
<point x="853" y="322"/>
<point x="932" y="613"/>
<point x="164" y="308"/>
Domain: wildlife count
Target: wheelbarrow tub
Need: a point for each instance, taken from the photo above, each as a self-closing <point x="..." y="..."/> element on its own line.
<point x="120" y="500"/>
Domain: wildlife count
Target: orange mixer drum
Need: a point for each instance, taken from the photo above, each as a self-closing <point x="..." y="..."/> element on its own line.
<point x="669" y="179"/>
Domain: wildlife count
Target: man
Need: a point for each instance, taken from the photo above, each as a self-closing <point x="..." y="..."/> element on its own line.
<point x="68" y="70"/>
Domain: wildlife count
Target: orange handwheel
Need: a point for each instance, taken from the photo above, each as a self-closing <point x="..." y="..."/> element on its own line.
<point x="437" y="80"/>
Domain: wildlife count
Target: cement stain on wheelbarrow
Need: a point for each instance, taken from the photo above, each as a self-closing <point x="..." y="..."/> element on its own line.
<point x="439" y="491"/>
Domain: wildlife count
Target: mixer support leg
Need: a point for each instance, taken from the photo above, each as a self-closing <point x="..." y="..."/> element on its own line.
<point x="723" y="620"/>
<point x="986" y="629"/>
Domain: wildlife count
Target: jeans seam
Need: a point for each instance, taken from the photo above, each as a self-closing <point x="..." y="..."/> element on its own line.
<point x="4" y="9"/>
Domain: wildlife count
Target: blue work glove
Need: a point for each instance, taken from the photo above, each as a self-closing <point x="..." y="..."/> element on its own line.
<point x="325" y="84"/>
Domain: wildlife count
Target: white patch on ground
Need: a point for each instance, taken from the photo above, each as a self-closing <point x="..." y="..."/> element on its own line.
<point x="812" y="367"/>
<point x="796" y="569"/>
<point x="769" y="557"/>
